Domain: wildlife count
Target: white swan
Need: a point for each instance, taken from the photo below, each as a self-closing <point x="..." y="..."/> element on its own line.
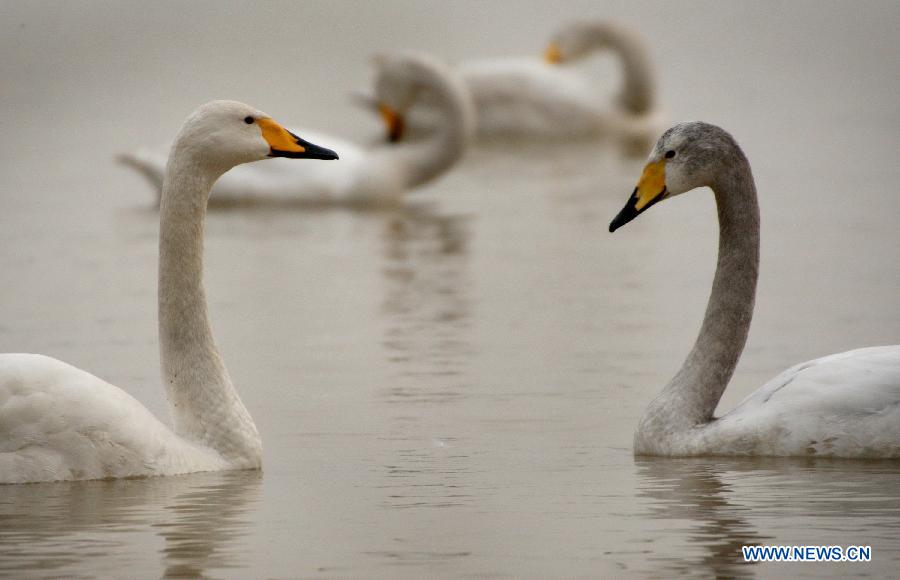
<point x="843" y="405"/>
<point x="552" y="98"/>
<point x="60" y="423"/>
<point x="380" y="174"/>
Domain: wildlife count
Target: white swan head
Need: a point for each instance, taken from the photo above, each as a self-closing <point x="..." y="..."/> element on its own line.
<point x="405" y="79"/>
<point x="227" y="133"/>
<point x="687" y="156"/>
<point x="578" y="39"/>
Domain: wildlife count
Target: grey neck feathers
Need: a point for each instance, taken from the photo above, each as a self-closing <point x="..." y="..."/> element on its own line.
<point x="204" y="405"/>
<point x="691" y="396"/>
<point x="424" y="160"/>
<point x="638" y="93"/>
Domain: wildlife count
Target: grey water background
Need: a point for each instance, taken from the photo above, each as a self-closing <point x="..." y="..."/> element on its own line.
<point x="449" y="389"/>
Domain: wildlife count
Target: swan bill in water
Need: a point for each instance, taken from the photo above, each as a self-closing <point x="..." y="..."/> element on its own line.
<point x="283" y="143"/>
<point x="650" y="189"/>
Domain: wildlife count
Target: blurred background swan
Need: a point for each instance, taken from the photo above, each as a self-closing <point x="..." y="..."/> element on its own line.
<point x="373" y="175"/>
<point x="557" y="98"/>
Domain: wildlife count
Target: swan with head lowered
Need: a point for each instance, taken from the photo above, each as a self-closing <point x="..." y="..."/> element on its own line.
<point x="554" y="99"/>
<point x="58" y="422"/>
<point x="843" y="405"/>
<point x="363" y="176"/>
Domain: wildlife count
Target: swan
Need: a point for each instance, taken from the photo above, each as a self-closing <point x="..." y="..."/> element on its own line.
<point x="843" y="405"/>
<point x="376" y="175"/>
<point x="551" y="99"/>
<point x="58" y="422"/>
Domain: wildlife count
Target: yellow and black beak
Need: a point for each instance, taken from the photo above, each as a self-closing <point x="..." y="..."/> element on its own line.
<point x="283" y="143"/>
<point x="650" y="189"/>
<point x="553" y="55"/>
<point x="393" y="121"/>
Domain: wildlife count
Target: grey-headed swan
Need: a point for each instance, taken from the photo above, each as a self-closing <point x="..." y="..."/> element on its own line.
<point x="843" y="405"/>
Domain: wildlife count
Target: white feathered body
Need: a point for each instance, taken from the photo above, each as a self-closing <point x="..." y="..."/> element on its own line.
<point x="58" y="422"/>
<point x="530" y="98"/>
<point x="524" y="96"/>
<point x="843" y="405"/>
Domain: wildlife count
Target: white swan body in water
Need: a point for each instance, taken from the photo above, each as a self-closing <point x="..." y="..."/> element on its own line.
<point x="843" y="405"/>
<point x="553" y="98"/>
<point x="380" y="174"/>
<point x="61" y="423"/>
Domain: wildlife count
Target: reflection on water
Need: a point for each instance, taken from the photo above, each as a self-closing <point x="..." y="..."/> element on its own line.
<point x="201" y="518"/>
<point x="207" y="525"/>
<point x="425" y="298"/>
<point x="427" y="313"/>
<point x="718" y="505"/>
<point x="712" y="520"/>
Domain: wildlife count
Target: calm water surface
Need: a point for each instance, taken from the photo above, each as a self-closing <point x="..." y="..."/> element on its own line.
<point x="449" y="389"/>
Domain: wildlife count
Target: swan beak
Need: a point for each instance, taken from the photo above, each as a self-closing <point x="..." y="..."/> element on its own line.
<point x="283" y="143"/>
<point x="553" y="55"/>
<point x="394" y="122"/>
<point x="650" y="189"/>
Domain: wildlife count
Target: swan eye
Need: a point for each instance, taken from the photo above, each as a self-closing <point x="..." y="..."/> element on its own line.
<point x="670" y="154"/>
<point x="248" y="119"/>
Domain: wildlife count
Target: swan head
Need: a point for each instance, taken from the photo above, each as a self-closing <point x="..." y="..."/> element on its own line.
<point x="223" y="134"/>
<point x="577" y="39"/>
<point x="687" y="156"/>
<point x="408" y="79"/>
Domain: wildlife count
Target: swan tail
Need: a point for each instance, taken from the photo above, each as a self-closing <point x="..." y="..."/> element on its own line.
<point x="149" y="164"/>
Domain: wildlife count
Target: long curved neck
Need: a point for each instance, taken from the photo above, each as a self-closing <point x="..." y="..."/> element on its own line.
<point x="204" y="405"/>
<point x="691" y="396"/>
<point x="638" y="93"/>
<point x="425" y="160"/>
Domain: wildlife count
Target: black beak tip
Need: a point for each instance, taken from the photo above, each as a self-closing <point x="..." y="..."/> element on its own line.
<point x="619" y="222"/>
<point x="315" y="151"/>
<point x="627" y="214"/>
<point x="326" y="154"/>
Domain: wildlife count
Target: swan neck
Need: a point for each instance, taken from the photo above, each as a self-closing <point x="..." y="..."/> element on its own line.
<point x="638" y="94"/>
<point x="425" y="160"/>
<point x="693" y="394"/>
<point x="204" y="405"/>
